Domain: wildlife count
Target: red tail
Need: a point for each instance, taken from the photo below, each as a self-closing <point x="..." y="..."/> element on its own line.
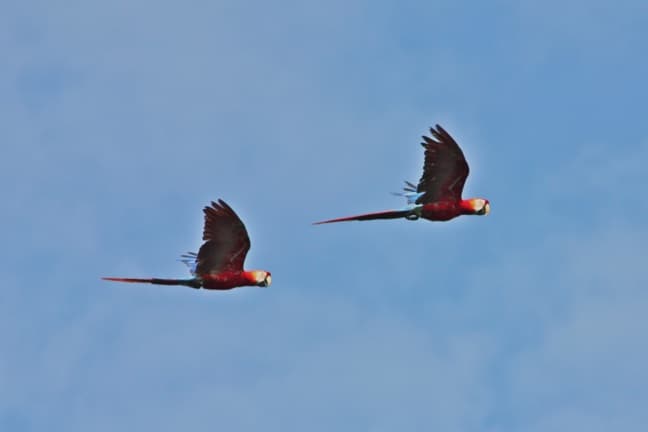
<point x="186" y="282"/>
<point x="389" y="214"/>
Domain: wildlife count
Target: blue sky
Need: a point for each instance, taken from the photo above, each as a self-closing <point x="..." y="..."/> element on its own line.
<point x="122" y="119"/>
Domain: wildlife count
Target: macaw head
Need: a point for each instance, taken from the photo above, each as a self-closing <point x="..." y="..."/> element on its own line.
<point x="478" y="206"/>
<point x="262" y="278"/>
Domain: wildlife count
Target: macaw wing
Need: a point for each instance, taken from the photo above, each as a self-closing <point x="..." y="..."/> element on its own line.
<point x="226" y="241"/>
<point x="190" y="259"/>
<point x="444" y="171"/>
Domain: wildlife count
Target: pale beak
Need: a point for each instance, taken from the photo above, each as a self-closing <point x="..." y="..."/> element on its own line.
<point x="486" y="209"/>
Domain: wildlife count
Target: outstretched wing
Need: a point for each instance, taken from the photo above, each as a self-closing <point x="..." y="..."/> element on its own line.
<point x="226" y="241"/>
<point x="444" y="171"/>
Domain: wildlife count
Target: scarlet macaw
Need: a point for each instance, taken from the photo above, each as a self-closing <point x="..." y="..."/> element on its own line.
<point x="438" y="194"/>
<point x="218" y="265"/>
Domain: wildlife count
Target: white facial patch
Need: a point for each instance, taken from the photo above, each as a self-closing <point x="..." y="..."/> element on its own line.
<point x="478" y="204"/>
<point x="260" y="277"/>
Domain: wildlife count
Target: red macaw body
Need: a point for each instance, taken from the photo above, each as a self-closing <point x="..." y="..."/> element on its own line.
<point x="437" y="197"/>
<point x="218" y="265"/>
<point x="229" y="280"/>
<point x="446" y="210"/>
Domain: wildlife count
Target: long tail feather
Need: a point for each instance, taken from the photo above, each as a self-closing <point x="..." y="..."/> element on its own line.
<point x="389" y="214"/>
<point x="185" y="282"/>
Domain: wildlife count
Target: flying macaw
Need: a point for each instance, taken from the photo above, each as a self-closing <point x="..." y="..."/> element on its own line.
<point x="218" y="265"/>
<point x="438" y="194"/>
